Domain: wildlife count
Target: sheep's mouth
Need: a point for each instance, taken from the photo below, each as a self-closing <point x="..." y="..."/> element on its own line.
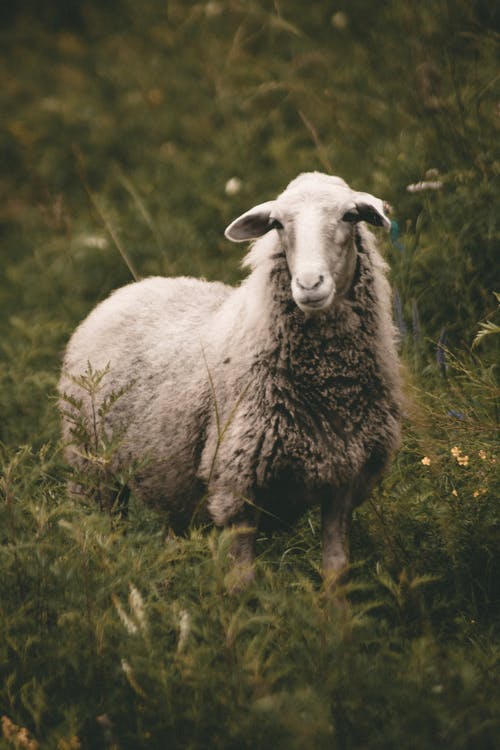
<point x="313" y="303"/>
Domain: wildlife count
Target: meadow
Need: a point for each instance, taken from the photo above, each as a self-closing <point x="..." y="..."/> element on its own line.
<point x="131" y="135"/>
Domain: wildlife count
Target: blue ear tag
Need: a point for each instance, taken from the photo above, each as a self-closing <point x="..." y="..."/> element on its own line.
<point x="394" y="234"/>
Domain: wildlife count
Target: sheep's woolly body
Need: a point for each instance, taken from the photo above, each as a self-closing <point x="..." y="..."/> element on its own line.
<point x="237" y="392"/>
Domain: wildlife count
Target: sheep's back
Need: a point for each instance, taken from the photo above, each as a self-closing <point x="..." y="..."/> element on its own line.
<point x="150" y="319"/>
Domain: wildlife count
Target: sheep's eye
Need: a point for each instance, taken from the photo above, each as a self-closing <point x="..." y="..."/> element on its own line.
<point x="351" y="216"/>
<point x="275" y="224"/>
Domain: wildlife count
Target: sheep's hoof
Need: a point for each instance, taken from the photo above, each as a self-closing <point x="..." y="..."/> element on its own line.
<point x="239" y="578"/>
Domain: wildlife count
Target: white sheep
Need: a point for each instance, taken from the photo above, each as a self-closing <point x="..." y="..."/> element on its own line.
<point x="254" y="403"/>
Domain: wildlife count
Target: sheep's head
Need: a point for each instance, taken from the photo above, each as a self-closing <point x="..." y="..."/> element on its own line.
<point x="314" y="219"/>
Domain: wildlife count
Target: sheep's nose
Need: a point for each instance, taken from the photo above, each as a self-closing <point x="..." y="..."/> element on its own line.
<point x="309" y="281"/>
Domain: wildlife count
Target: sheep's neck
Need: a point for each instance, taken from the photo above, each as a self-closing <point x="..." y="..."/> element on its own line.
<point x="291" y="327"/>
<point x="316" y="358"/>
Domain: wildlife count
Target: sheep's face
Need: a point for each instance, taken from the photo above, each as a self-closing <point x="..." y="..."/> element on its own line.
<point x="314" y="219"/>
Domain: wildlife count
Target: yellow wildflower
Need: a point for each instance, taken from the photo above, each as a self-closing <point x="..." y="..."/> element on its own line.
<point x="72" y="744"/>
<point x="454" y="493"/>
<point x="426" y="461"/>
<point x="482" y="455"/>
<point x="457" y="454"/>
<point x="18" y="735"/>
<point x="9" y="729"/>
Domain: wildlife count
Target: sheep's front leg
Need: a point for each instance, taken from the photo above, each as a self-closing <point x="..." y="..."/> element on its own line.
<point x="242" y="552"/>
<point x="230" y="510"/>
<point x="335" y="516"/>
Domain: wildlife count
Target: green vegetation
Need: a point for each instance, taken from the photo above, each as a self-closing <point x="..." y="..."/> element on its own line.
<point x="122" y="124"/>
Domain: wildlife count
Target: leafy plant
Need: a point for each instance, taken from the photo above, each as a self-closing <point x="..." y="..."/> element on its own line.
<point x="487" y="328"/>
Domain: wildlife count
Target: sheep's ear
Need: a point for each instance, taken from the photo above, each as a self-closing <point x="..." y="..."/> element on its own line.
<point x="252" y="224"/>
<point x="366" y="207"/>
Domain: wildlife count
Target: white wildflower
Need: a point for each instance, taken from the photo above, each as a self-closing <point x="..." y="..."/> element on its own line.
<point x="132" y="679"/>
<point x="233" y="186"/>
<point x="51" y="104"/>
<point x="213" y="8"/>
<point x="95" y="241"/>
<point x="184" y="629"/>
<point x="126" y="667"/>
<point x="137" y="606"/>
<point x="127" y="621"/>
<point x="417" y="187"/>
<point x="339" y="20"/>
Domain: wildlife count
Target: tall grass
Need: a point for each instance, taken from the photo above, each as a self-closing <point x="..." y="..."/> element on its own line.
<point x="123" y="125"/>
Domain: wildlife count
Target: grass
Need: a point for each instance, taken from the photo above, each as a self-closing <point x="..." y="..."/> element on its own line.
<point x="122" y="127"/>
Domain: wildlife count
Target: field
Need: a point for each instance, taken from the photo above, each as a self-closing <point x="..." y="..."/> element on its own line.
<point x="131" y="135"/>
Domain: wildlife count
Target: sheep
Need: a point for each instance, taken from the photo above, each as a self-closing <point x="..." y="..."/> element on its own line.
<point x="254" y="403"/>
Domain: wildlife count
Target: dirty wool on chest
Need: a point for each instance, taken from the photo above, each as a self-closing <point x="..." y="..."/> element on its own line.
<point x="312" y="385"/>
